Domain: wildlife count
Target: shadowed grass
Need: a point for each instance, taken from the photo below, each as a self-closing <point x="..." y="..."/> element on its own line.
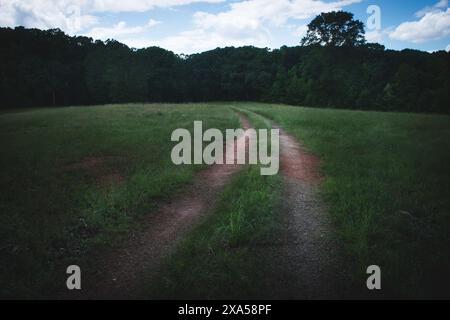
<point x="56" y="208"/>
<point x="218" y="259"/>
<point x="387" y="186"/>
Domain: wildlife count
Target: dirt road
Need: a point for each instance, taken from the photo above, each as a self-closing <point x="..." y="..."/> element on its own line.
<point x="306" y="257"/>
<point x="121" y="273"/>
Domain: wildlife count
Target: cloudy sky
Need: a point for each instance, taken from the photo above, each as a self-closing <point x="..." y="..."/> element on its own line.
<point x="189" y="26"/>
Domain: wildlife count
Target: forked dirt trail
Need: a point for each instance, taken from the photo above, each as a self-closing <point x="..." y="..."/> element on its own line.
<point x="122" y="274"/>
<point x="304" y="259"/>
<point x="307" y="258"/>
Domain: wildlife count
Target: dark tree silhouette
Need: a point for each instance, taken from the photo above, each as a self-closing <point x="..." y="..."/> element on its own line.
<point x="45" y="68"/>
<point x="337" y="28"/>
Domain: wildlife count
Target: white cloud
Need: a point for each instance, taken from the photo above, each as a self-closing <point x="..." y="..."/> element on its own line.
<point x="434" y="23"/>
<point x="243" y="22"/>
<point x="73" y="16"/>
<point x="300" y="31"/>
<point x="44" y="14"/>
<point x="448" y="48"/>
<point x="439" y="5"/>
<point x="141" y="5"/>
<point x="252" y="12"/>
<point x="246" y="23"/>
<point x="119" y="30"/>
<point x="201" y="40"/>
<point x="374" y="36"/>
<point x="151" y="23"/>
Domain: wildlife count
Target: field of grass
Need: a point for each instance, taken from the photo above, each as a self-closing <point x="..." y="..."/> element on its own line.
<point x="387" y="188"/>
<point x="74" y="180"/>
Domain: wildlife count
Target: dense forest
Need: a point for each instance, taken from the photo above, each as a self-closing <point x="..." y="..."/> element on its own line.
<point x="45" y="68"/>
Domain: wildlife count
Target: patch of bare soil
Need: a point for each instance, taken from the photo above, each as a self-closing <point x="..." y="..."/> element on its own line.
<point x="297" y="162"/>
<point x="121" y="274"/>
<point x="306" y="257"/>
<point x="97" y="168"/>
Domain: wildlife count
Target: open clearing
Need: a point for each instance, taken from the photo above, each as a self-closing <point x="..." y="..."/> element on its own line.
<point x="386" y="187"/>
<point x="75" y="181"/>
<point x="120" y="274"/>
<point x="82" y="183"/>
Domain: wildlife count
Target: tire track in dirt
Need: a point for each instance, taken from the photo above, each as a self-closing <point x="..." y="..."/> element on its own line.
<point x="305" y="259"/>
<point x="311" y="254"/>
<point x="121" y="274"/>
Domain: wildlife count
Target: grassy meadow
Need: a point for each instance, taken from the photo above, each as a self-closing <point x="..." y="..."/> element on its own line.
<point x="387" y="188"/>
<point x="76" y="180"/>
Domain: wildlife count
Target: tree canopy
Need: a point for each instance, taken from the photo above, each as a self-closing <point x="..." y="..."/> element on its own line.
<point x="45" y="68"/>
<point x="336" y="28"/>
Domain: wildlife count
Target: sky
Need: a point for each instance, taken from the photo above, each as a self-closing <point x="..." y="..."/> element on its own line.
<point x="191" y="26"/>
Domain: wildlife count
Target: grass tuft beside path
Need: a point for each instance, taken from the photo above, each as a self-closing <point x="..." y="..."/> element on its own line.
<point x="217" y="260"/>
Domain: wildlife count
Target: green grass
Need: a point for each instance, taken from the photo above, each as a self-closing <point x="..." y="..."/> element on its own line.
<point x="387" y="187"/>
<point x="219" y="259"/>
<point x="223" y="257"/>
<point x="55" y="210"/>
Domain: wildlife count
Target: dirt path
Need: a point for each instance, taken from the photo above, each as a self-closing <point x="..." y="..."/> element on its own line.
<point x="120" y="274"/>
<point x="304" y="258"/>
<point x="307" y="258"/>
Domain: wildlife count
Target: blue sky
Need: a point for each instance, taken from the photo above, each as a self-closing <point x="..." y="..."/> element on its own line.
<point x="189" y="26"/>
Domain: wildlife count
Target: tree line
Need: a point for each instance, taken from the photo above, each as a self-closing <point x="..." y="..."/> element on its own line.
<point x="50" y="68"/>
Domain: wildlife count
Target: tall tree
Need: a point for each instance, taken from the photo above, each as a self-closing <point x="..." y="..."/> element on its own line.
<point x="337" y="28"/>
